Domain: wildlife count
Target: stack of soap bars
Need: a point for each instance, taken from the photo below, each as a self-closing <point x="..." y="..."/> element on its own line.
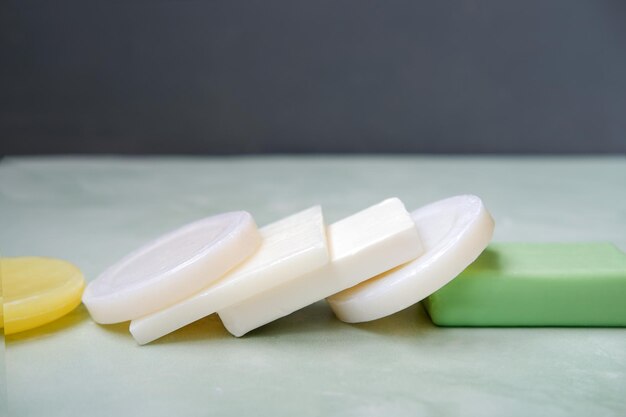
<point x="367" y="266"/>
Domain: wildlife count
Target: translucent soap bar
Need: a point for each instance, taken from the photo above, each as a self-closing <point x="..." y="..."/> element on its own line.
<point x="37" y="291"/>
<point x="538" y="284"/>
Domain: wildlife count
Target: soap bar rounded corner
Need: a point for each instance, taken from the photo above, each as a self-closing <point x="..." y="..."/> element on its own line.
<point x="171" y="267"/>
<point x="429" y="306"/>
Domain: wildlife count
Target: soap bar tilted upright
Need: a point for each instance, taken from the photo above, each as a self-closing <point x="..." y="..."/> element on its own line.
<point x="454" y="232"/>
<point x="361" y="246"/>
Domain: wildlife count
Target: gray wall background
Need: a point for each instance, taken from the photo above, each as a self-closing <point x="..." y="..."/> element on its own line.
<point x="215" y="77"/>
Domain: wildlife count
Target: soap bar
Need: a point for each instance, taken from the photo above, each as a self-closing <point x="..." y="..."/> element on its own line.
<point x="172" y="267"/>
<point x="454" y="231"/>
<point x="536" y="284"/>
<point x="361" y="246"/>
<point x="289" y="247"/>
<point x="37" y="291"/>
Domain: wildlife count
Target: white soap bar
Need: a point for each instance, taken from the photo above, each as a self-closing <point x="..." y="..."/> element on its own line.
<point x="171" y="267"/>
<point x="361" y="246"/>
<point x="289" y="247"/>
<point x="454" y="232"/>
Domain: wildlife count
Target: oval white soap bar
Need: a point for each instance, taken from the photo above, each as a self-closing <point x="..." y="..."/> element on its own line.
<point x="171" y="267"/>
<point x="454" y="232"/>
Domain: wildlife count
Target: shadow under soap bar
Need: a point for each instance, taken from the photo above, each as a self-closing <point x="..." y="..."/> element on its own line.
<point x="536" y="284"/>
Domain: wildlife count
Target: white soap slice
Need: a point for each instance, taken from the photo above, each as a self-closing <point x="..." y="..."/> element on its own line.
<point x="361" y="246"/>
<point x="454" y="232"/>
<point x="171" y="267"/>
<point x="290" y="247"/>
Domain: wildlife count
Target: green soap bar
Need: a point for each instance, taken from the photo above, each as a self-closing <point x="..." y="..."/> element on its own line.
<point x="536" y="284"/>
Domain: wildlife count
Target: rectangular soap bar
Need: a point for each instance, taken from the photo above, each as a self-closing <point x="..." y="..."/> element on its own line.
<point x="361" y="246"/>
<point x="538" y="284"/>
<point x="289" y="247"/>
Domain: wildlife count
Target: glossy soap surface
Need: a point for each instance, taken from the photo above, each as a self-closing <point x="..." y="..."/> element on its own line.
<point x="537" y="284"/>
<point x="309" y="363"/>
<point x="37" y="291"/>
<point x="289" y="247"/>
<point x="171" y="267"/>
<point x="453" y="231"/>
<point x="361" y="246"/>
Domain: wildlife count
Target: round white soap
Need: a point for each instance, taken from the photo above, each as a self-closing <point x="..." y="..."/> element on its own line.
<point x="454" y="232"/>
<point x="172" y="267"/>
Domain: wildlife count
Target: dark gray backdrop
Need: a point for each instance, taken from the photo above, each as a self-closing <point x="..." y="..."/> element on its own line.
<point x="133" y="76"/>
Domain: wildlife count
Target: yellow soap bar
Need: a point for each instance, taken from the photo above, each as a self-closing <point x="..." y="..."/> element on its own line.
<point x="37" y="291"/>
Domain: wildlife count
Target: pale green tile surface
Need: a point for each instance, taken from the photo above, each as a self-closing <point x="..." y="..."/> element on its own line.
<point x="93" y="211"/>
